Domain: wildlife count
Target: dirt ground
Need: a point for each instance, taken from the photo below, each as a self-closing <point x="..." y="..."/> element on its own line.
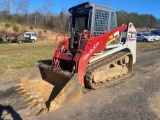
<point x="134" y="98"/>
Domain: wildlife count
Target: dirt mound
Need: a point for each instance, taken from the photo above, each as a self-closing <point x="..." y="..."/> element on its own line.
<point x="42" y="33"/>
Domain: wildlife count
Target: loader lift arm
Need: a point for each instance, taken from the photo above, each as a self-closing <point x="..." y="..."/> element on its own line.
<point x="86" y="48"/>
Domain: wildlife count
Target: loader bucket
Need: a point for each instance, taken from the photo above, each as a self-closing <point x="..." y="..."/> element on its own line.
<point x="49" y="90"/>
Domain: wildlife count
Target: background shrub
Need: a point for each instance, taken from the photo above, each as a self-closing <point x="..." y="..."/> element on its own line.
<point x="7" y="24"/>
<point x="15" y="28"/>
<point x="31" y="27"/>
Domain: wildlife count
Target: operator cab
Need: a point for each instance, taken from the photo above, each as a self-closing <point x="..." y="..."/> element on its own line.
<point x="95" y="18"/>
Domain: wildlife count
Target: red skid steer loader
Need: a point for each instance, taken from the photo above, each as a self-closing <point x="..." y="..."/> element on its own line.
<point x="97" y="53"/>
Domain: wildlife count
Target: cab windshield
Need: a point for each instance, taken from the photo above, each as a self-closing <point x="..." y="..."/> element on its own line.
<point x="80" y="21"/>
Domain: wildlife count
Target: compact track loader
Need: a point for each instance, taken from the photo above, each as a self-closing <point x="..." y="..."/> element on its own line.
<point x="97" y="53"/>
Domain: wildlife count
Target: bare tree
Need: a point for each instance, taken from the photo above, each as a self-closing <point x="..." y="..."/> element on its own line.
<point x="64" y="18"/>
<point x="7" y="6"/>
<point x="23" y="7"/>
<point x="47" y="8"/>
<point x="1" y="5"/>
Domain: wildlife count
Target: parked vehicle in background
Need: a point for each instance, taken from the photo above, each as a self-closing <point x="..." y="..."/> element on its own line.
<point x="30" y="37"/>
<point x="145" y="32"/>
<point x="11" y="37"/>
<point x="18" y="37"/>
<point x="1" y="39"/>
<point x="156" y="32"/>
<point x="155" y="36"/>
<point x="147" y="37"/>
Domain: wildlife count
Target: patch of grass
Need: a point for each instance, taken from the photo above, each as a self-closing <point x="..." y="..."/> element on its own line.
<point x="15" y="57"/>
<point x="15" y="28"/>
<point x="7" y="24"/>
<point x="146" y="46"/>
<point x="44" y="30"/>
<point x="2" y="72"/>
<point x="31" y="27"/>
<point x="5" y="21"/>
<point x="25" y="30"/>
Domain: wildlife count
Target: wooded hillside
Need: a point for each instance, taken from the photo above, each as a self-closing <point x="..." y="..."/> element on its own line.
<point x="19" y="11"/>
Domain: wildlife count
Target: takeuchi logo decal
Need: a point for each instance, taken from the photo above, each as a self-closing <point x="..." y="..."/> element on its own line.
<point x="91" y="51"/>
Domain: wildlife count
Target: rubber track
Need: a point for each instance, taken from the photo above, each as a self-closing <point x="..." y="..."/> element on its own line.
<point x="91" y="69"/>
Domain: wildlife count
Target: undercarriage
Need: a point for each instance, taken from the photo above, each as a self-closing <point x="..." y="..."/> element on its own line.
<point x="108" y="70"/>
